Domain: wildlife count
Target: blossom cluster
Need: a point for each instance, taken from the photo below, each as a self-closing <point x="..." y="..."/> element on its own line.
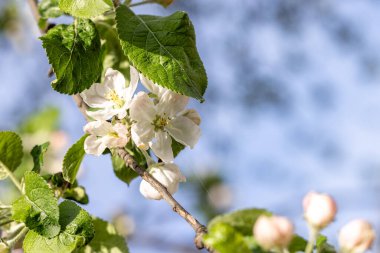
<point x="275" y="232"/>
<point x="151" y="120"/>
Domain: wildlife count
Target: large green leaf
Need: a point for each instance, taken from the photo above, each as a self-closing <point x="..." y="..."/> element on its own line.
<point x="77" y="231"/>
<point x="10" y="153"/>
<point x="37" y="207"/>
<point x="75" y="55"/>
<point x="106" y="240"/>
<point x="163" y="49"/>
<point x="85" y="8"/>
<point x="38" y="153"/>
<point x="73" y="160"/>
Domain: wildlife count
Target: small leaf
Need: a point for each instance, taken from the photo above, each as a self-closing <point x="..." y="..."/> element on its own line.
<point x="85" y="8"/>
<point x="77" y="231"/>
<point x="49" y="9"/>
<point x="38" y="153"/>
<point x="75" y="54"/>
<point x="37" y="208"/>
<point x="225" y="239"/>
<point x="123" y="172"/>
<point x="297" y="244"/>
<point x="106" y="239"/>
<point x="177" y="147"/>
<point x="10" y="153"/>
<point x="163" y="49"/>
<point x="241" y="221"/>
<point x="73" y="160"/>
<point x="77" y="194"/>
<point x="323" y="246"/>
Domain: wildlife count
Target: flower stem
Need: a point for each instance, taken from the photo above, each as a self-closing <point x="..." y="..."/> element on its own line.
<point x="11" y="176"/>
<point x="141" y="3"/>
<point x="313" y="234"/>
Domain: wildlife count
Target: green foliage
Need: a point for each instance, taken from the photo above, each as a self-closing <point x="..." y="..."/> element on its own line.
<point x="73" y="160"/>
<point x="74" y="52"/>
<point x="85" y="8"/>
<point x="113" y="55"/>
<point x="123" y="172"/>
<point x="163" y="49"/>
<point x="323" y="246"/>
<point x="37" y="207"/>
<point x="77" y="194"/>
<point x="297" y="244"/>
<point x="77" y="231"/>
<point x="225" y="239"/>
<point x="10" y="153"/>
<point x="106" y="239"/>
<point x="38" y="153"/>
<point x="49" y="9"/>
<point x="44" y="120"/>
<point x="177" y="147"/>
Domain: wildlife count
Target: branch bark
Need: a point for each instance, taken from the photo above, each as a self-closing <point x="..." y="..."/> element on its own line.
<point x="129" y="160"/>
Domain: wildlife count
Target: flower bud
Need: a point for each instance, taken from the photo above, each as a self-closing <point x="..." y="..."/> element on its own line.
<point x="319" y="210"/>
<point x="168" y="175"/>
<point x="356" y="237"/>
<point x="273" y="232"/>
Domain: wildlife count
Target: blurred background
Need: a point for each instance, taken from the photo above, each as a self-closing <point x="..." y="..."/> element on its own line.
<point x="293" y="105"/>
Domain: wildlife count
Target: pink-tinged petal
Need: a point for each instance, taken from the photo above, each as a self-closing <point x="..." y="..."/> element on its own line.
<point x="142" y="108"/>
<point x="95" y="96"/>
<point x="184" y="130"/>
<point x="162" y="146"/>
<point x="115" y="80"/>
<point x="171" y="103"/>
<point x="142" y="133"/>
<point x="94" y="146"/>
<point x="98" y="128"/>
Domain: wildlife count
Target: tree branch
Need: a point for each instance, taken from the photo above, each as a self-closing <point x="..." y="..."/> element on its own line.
<point x="199" y="229"/>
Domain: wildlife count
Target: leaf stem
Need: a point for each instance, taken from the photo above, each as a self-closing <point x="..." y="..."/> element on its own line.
<point x="141" y="3"/>
<point x="11" y="176"/>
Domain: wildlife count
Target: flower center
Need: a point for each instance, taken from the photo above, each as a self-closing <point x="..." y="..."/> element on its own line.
<point x="118" y="101"/>
<point x="160" y="122"/>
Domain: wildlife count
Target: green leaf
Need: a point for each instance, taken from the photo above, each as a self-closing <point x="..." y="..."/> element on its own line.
<point x="242" y="220"/>
<point x="10" y="153"/>
<point x="106" y="240"/>
<point x="49" y="9"/>
<point x="113" y="55"/>
<point x="44" y="120"/>
<point x="123" y="172"/>
<point x="225" y="239"/>
<point x="177" y="147"/>
<point x="73" y="160"/>
<point x="297" y="244"/>
<point x="85" y="8"/>
<point x="77" y="231"/>
<point x="323" y="246"/>
<point x="75" y="55"/>
<point x="38" y="153"/>
<point x="77" y="194"/>
<point x="163" y="49"/>
<point x="37" y="208"/>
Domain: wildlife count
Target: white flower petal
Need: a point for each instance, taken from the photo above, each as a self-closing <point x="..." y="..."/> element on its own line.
<point x="94" y="146"/>
<point x="142" y="133"/>
<point x="152" y="87"/>
<point x="102" y="114"/>
<point x="134" y="80"/>
<point x="148" y="191"/>
<point x="162" y="146"/>
<point x="184" y="130"/>
<point x="98" y="128"/>
<point x="171" y="103"/>
<point x="115" y="80"/>
<point x="142" y="108"/>
<point x="95" y="96"/>
<point x="193" y="115"/>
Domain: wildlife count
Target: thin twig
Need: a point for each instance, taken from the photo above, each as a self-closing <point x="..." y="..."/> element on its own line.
<point x="199" y="229"/>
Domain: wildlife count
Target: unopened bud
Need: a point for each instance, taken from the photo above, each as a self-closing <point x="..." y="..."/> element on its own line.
<point x="273" y="232"/>
<point x="319" y="210"/>
<point x="356" y="237"/>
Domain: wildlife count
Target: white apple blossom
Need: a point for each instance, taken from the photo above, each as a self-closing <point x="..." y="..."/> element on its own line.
<point x="356" y="237"/>
<point x="112" y="97"/>
<point x="168" y="175"/>
<point x="319" y="209"/>
<point x="153" y="124"/>
<point x="102" y="135"/>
